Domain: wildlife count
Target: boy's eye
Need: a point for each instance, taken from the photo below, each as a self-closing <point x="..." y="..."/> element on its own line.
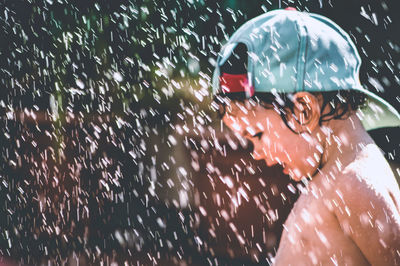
<point x="258" y="135"/>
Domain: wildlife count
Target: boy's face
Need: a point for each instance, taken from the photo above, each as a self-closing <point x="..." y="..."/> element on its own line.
<point x="274" y="142"/>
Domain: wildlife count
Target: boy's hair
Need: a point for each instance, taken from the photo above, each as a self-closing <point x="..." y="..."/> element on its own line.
<point x="288" y="51"/>
<point x="340" y="103"/>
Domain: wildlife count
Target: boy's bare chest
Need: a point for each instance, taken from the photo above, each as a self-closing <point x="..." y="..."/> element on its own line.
<point x="312" y="236"/>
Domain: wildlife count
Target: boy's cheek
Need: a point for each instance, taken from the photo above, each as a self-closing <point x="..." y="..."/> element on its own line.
<point x="232" y="124"/>
<point x="266" y="141"/>
<point x="236" y="127"/>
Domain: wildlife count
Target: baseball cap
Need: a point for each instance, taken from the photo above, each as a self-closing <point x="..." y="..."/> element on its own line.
<point x="289" y="51"/>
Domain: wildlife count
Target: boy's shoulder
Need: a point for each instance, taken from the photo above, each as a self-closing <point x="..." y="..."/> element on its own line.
<point x="367" y="182"/>
<point x="366" y="197"/>
<point x="350" y="212"/>
<point x="369" y="171"/>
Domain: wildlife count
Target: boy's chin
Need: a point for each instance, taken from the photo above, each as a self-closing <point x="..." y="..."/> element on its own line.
<point x="294" y="175"/>
<point x="295" y="178"/>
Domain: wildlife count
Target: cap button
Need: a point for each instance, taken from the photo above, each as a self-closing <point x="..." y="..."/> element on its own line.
<point x="291" y="8"/>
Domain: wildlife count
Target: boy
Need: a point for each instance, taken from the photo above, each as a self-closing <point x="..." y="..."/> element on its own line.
<point x="288" y="82"/>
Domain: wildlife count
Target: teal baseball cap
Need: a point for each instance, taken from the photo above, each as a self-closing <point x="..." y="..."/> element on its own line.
<point x="290" y="51"/>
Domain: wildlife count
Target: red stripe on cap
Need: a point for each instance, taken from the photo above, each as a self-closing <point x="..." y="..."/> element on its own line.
<point x="290" y="8"/>
<point x="235" y="83"/>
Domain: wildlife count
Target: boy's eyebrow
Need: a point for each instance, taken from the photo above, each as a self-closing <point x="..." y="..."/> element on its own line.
<point x="242" y="108"/>
<point x="232" y="111"/>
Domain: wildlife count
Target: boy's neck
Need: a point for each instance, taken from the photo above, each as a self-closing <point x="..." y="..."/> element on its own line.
<point x="345" y="140"/>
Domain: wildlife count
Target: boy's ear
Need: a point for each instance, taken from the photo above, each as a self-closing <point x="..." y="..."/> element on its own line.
<point x="307" y="111"/>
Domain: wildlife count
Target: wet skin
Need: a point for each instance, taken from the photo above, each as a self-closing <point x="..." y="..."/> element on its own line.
<point x="348" y="213"/>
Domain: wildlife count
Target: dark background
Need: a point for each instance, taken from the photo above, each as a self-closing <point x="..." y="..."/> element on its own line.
<point x="90" y="95"/>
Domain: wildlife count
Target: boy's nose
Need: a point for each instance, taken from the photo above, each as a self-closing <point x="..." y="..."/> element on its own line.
<point x="257" y="155"/>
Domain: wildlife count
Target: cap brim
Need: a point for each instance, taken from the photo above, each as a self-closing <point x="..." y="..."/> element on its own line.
<point x="227" y="52"/>
<point x="221" y="59"/>
<point x="377" y="113"/>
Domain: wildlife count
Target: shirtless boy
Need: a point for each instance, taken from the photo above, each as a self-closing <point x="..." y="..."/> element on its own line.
<point x="289" y="82"/>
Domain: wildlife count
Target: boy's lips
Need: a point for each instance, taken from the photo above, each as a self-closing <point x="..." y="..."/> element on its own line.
<point x="286" y="171"/>
<point x="269" y="163"/>
<point x="284" y="166"/>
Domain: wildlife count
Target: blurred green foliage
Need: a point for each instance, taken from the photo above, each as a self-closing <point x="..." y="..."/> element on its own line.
<point x="104" y="56"/>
